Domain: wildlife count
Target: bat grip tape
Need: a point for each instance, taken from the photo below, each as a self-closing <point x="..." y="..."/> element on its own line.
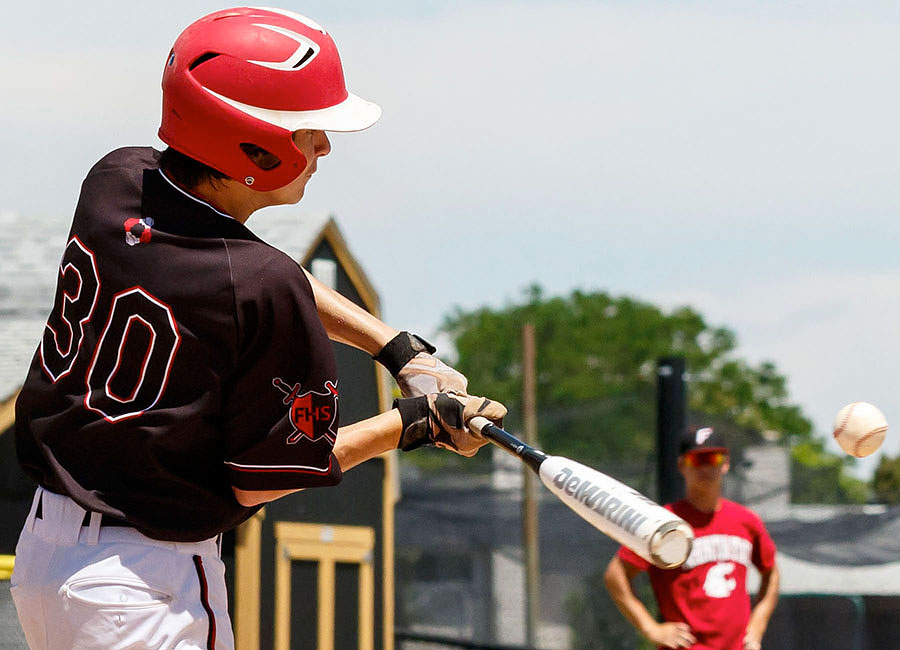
<point x="508" y="442"/>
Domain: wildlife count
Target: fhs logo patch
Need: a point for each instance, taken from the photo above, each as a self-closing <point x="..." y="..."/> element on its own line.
<point x="312" y="414"/>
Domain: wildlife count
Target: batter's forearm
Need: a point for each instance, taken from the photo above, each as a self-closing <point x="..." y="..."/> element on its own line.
<point x="357" y="443"/>
<point x="250" y="498"/>
<point x="347" y="322"/>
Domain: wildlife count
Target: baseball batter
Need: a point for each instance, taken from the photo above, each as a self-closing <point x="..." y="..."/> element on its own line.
<point x="185" y="376"/>
<point x="704" y="603"/>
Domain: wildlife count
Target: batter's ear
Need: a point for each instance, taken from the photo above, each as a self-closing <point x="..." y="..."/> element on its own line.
<point x="726" y="465"/>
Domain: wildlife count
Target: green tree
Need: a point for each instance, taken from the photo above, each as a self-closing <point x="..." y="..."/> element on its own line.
<point x="596" y="382"/>
<point x="886" y="480"/>
<point x="597" y="353"/>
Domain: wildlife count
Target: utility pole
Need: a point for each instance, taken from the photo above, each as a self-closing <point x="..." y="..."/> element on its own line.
<point x="530" y="539"/>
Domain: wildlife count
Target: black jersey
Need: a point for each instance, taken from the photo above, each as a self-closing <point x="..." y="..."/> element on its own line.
<point x="183" y="355"/>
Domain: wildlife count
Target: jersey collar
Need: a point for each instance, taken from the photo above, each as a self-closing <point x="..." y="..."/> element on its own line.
<point x="179" y="213"/>
<point x="191" y="196"/>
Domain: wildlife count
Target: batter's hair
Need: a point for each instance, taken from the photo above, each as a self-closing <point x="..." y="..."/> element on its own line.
<point x="186" y="171"/>
<point x="190" y="173"/>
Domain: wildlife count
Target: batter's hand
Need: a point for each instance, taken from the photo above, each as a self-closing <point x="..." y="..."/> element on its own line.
<point x="425" y="374"/>
<point x="441" y="419"/>
<point x="409" y="359"/>
<point x="672" y="635"/>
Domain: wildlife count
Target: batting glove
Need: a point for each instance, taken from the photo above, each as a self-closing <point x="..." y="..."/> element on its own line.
<point x="442" y="419"/>
<point x="409" y="359"/>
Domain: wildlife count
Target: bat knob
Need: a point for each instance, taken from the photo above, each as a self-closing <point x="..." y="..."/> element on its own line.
<point x="478" y="423"/>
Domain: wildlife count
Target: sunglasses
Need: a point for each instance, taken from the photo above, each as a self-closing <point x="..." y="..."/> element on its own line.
<point x="702" y="458"/>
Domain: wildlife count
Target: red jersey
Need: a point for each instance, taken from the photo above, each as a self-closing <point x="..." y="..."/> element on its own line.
<point x="709" y="591"/>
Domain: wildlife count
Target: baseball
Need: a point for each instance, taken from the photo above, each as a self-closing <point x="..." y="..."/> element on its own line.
<point x="859" y="429"/>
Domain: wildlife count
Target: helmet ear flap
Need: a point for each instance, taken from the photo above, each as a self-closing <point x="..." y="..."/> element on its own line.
<point x="266" y="160"/>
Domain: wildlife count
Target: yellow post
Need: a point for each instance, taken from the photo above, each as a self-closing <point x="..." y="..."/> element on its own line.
<point x="6" y="566"/>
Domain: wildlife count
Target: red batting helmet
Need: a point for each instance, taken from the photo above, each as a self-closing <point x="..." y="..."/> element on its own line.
<point x="253" y="76"/>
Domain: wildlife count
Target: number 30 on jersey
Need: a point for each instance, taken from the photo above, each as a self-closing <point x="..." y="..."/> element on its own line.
<point x="133" y="314"/>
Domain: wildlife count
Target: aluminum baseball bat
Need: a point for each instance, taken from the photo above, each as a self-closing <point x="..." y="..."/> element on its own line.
<point x="618" y="511"/>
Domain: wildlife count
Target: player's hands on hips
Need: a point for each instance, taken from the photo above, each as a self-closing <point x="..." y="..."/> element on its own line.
<point x="425" y="374"/>
<point x="441" y="419"/>
<point x="672" y="635"/>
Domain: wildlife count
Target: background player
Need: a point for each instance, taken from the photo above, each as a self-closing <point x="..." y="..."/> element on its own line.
<point x="154" y="416"/>
<point x="704" y="604"/>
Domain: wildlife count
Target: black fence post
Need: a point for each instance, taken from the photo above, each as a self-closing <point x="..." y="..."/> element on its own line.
<point x="670" y="422"/>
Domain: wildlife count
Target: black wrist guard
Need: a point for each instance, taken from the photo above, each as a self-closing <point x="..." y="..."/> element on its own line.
<point x="397" y="352"/>
<point x="414" y="415"/>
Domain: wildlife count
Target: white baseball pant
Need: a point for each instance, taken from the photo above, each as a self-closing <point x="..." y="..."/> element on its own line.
<point x="91" y="587"/>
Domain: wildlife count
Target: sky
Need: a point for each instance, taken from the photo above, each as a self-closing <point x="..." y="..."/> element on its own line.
<point x="737" y="157"/>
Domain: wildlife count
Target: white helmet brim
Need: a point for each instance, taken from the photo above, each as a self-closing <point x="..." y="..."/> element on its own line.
<point x="352" y="114"/>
